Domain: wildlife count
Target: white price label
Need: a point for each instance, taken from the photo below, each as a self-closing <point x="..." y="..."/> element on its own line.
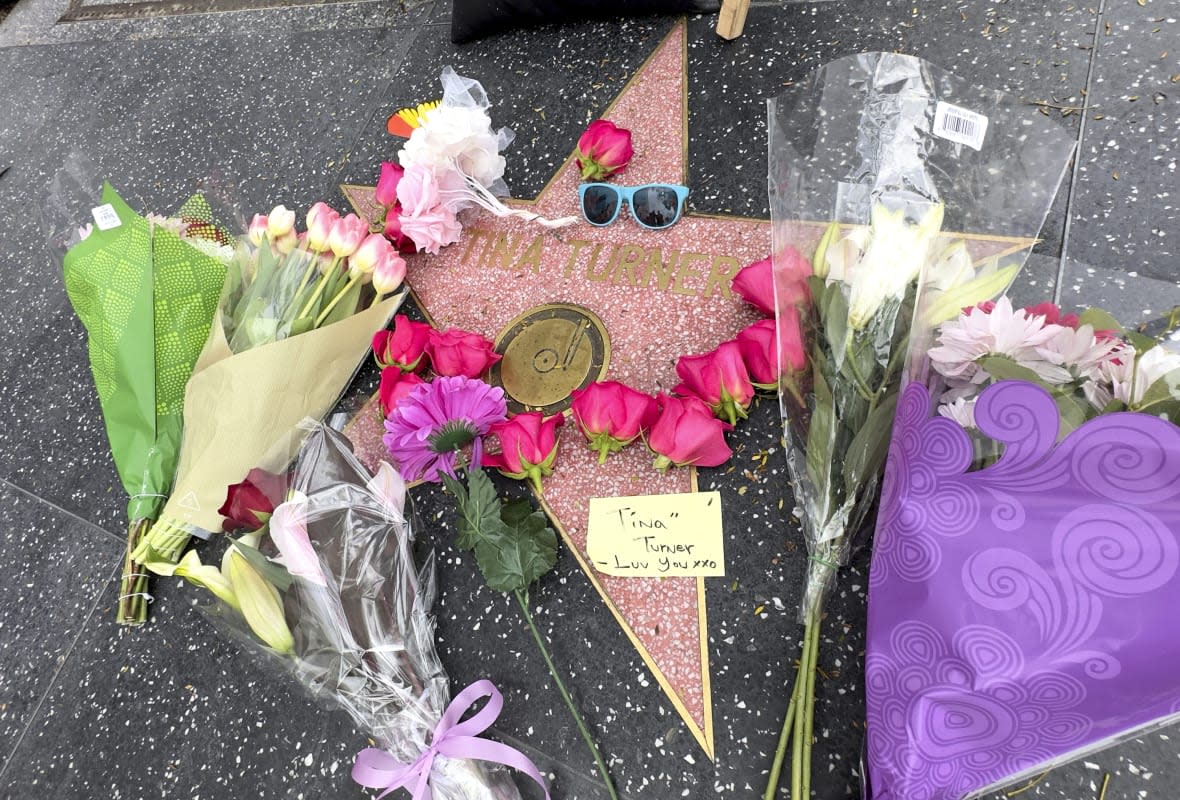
<point x="105" y="217"/>
<point x="960" y="125"/>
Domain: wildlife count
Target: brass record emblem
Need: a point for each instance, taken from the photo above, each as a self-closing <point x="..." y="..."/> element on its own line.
<point x="549" y="351"/>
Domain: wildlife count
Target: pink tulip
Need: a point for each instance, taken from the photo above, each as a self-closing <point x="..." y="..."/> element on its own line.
<point x="257" y="230"/>
<point x="321" y="218"/>
<point x="403" y="347"/>
<point x="386" y="193"/>
<point x="389" y="272"/>
<point x="365" y="259"/>
<point x="612" y="415"/>
<point x="279" y="222"/>
<point x="719" y="378"/>
<point x="288" y="531"/>
<point x="286" y="243"/>
<point x="455" y="352"/>
<point x="528" y="446"/>
<point x="686" y="432"/>
<point x="395" y="385"/>
<point x="346" y="235"/>
<point x="603" y="150"/>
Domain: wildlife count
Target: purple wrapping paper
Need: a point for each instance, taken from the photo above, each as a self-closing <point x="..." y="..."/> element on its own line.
<point x="1023" y="614"/>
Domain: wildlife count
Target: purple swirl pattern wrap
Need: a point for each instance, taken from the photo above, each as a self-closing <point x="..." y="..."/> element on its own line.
<point x="1023" y="612"/>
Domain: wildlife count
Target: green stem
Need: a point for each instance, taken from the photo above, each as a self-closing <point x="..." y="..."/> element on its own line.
<point x="784" y="736"/>
<point x="862" y="385"/>
<point x="807" y="703"/>
<point x="522" y="600"/>
<point x="315" y="260"/>
<point x="132" y="608"/>
<point x="319" y="289"/>
<point x="328" y="310"/>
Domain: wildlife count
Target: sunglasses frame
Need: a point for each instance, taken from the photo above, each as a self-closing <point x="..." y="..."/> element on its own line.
<point x="625" y="194"/>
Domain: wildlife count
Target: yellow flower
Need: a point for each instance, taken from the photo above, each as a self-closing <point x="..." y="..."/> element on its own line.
<point x="403" y="121"/>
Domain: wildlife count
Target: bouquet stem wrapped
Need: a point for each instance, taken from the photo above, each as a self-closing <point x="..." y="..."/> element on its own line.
<point x="329" y="587"/>
<point x="870" y="165"/>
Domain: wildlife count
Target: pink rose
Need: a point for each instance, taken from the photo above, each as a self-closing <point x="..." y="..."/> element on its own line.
<point x="433" y="230"/>
<point x="612" y="415"/>
<point x="720" y="378"/>
<point x="603" y="150"/>
<point x="454" y="352"/>
<point x="528" y="446"/>
<point x="403" y="347"/>
<point x="755" y="283"/>
<point x="764" y="342"/>
<point x="686" y="432"/>
<point x="395" y="385"/>
<point x="417" y="191"/>
<point x="393" y="230"/>
<point x="391" y="174"/>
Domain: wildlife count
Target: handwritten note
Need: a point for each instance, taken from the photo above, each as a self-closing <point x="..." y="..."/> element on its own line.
<point x="662" y="535"/>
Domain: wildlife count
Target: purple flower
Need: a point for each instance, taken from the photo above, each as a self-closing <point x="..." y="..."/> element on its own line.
<point x="436" y="421"/>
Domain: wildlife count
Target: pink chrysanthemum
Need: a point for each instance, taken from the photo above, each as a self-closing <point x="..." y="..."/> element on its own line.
<point x="436" y="421"/>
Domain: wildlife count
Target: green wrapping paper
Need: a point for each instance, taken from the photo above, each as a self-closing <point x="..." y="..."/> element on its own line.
<point x="146" y="299"/>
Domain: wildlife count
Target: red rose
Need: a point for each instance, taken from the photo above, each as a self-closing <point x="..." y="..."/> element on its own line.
<point x="404" y="346"/>
<point x="686" y="432"/>
<point x="393" y="230"/>
<point x="1052" y="314"/>
<point x="720" y="378"/>
<point x="396" y="384"/>
<point x="249" y="504"/>
<point x="528" y="446"/>
<point x="612" y="415"/>
<point x="455" y="352"/>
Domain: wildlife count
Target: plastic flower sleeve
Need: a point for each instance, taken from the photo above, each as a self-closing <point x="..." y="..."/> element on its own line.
<point x="363" y="637"/>
<point x="897" y="190"/>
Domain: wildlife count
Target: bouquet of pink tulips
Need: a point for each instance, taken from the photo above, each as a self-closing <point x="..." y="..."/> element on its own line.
<point x="294" y="324"/>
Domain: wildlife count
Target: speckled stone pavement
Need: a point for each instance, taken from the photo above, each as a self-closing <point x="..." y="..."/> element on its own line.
<point x="284" y="104"/>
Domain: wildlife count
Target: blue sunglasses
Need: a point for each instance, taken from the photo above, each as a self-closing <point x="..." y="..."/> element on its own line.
<point x="653" y="205"/>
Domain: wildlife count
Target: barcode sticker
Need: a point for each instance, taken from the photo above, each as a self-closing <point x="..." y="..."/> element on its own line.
<point x="105" y="217"/>
<point x="959" y="125"/>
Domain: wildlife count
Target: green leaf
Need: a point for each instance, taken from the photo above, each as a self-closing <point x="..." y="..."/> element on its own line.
<point x="346" y="307"/>
<point x="1140" y="342"/>
<point x="835" y="321"/>
<point x="1072" y="414"/>
<point x="821" y="434"/>
<point x="276" y="574"/>
<point x="525" y="551"/>
<point x="513" y="544"/>
<point x="1099" y="319"/>
<point x="1164" y="390"/>
<point x="865" y="456"/>
<point x="1003" y="368"/>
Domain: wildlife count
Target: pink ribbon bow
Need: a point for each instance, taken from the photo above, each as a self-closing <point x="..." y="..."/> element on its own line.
<point x="377" y="769"/>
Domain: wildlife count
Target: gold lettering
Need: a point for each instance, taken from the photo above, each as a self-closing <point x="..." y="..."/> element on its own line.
<point x="591" y="275"/>
<point x="531" y="257"/>
<point x="577" y="244"/>
<point x="659" y="268"/>
<point x="687" y="272"/>
<point x="630" y="257"/>
<point x="475" y="236"/>
<point x="500" y="252"/>
<point x="721" y="274"/>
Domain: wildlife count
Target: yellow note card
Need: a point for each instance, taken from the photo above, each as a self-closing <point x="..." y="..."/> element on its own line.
<point x="661" y="535"/>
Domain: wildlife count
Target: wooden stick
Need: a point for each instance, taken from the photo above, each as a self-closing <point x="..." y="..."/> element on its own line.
<point x="732" y="19"/>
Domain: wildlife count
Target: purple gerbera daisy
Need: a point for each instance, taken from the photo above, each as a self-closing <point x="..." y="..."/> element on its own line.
<point x="434" y="422"/>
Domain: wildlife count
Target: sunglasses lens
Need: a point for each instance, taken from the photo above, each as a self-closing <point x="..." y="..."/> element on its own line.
<point x="656" y="206"/>
<point x="599" y="204"/>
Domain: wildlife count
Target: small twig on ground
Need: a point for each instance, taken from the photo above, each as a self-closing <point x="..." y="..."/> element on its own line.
<point x="1028" y="785"/>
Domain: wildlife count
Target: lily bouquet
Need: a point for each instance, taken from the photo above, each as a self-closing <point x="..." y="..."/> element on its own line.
<point x="864" y="145"/>
<point x="146" y="288"/>
<point x="327" y="585"/>
<point x="1031" y="510"/>
<point x="291" y="330"/>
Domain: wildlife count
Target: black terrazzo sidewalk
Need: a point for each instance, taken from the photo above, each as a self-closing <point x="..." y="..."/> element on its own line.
<point x="283" y="104"/>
